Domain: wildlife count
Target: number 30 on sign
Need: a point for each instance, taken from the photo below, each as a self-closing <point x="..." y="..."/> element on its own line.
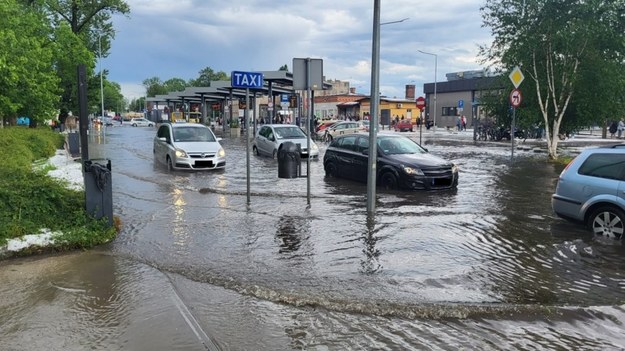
<point x="515" y="98"/>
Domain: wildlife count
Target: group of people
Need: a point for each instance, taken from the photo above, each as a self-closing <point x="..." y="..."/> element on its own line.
<point x="617" y="128"/>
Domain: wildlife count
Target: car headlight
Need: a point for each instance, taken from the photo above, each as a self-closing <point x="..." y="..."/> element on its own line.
<point x="314" y="147"/>
<point x="180" y="153"/>
<point x="454" y="169"/>
<point x="412" y="170"/>
<point x="221" y="152"/>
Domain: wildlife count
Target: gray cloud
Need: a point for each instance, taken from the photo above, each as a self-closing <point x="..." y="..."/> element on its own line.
<point x="170" y="39"/>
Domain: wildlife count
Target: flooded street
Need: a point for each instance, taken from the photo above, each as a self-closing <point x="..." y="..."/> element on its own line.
<point x="486" y="266"/>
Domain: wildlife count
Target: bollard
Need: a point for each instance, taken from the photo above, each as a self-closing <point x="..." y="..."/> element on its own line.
<point x="288" y="160"/>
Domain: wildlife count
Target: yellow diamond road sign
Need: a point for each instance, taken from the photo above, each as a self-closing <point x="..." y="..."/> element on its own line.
<point x="516" y="76"/>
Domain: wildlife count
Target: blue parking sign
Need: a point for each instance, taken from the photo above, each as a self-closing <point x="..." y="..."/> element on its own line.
<point x="460" y="103"/>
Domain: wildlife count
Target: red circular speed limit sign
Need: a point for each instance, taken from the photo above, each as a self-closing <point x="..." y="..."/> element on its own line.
<point x="515" y="98"/>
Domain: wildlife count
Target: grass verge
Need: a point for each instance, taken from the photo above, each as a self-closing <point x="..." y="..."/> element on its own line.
<point x="30" y="200"/>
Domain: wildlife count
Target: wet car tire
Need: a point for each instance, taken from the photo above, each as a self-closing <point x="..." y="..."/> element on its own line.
<point x="330" y="169"/>
<point x="607" y="221"/>
<point x="170" y="165"/>
<point x="388" y="181"/>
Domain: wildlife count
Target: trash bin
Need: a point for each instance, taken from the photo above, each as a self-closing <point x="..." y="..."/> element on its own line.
<point x="98" y="189"/>
<point x="288" y="160"/>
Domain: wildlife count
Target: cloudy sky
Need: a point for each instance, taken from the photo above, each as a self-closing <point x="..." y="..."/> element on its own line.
<point x="178" y="38"/>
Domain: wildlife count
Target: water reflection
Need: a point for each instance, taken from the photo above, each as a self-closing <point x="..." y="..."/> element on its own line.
<point x="371" y="261"/>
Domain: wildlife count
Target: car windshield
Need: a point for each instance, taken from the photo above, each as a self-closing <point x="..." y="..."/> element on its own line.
<point x="289" y="133"/>
<point x="399" y="145"/>
<point x="193" y="134"/>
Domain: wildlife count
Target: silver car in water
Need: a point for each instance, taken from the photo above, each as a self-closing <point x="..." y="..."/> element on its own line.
<point x="591" y="191"/>
<point x="190" y="146"/>
<point x="270" y="137"/>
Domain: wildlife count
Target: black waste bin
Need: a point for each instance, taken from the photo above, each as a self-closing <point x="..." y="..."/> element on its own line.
<point x="98" y="189"/>
<point x="288" y="160"/>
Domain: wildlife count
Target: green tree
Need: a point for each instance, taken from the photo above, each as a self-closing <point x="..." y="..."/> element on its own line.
<point x="206" y="76"/>
<point x="175" y="84"/>
<point x="154" y="86"/>
<point x="284" y="68"/>
<point x="28" y="83"/>
<point x="554" y="42"/>
<point x="91" y="25"/>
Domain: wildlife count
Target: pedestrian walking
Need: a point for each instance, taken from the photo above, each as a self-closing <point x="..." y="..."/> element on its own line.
<point x="612" y="128"/>
<point x="620" y="128"/>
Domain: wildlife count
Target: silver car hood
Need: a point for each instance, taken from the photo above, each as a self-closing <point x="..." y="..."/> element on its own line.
<point x="199" y="146"/>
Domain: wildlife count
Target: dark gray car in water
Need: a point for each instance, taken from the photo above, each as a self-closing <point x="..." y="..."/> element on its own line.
<point x="401" y="162"/>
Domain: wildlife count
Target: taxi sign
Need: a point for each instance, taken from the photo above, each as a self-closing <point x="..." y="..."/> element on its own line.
<point x="246" y="79"/>
<point x="516" y="76"/>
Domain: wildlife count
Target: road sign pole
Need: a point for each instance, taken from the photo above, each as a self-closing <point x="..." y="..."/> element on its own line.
<point x="246" y="124"/>
<point x="512" y="132"/>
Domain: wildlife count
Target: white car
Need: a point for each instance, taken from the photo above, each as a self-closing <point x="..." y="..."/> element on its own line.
<point x="341" y="128"/>
<point x="270" y="137"/>
<point x="190" y="146"/>
<point x="141" y="122"/>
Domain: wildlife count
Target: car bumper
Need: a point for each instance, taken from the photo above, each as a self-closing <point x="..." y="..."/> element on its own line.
<point x="567" y="208"/>
<point x="430" y="183"/>
<point x="200" y="164"/>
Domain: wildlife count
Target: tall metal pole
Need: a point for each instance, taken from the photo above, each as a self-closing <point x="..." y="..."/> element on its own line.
<point x="247" y="140"/>
<point x="435" y="74"/>
<point x="308" y="128"/>
<point x="373" y="120"/>
<point x="101" y="80"/>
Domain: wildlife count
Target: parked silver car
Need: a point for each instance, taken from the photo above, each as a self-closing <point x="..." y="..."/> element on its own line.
<point x="141" y="122"/>
<point x="270" y="137"/>
<point x="591" y="190"/>
<point x="189" y="146"/>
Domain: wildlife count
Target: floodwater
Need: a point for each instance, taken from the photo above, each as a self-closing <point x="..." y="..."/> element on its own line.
<point x="486" y="266"/>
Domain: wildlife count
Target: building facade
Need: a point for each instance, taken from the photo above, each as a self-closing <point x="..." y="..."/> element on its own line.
<point x="459" y="95"/>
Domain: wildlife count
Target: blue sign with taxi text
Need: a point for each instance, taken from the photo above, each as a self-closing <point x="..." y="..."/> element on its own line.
<point x="253" y="80"/>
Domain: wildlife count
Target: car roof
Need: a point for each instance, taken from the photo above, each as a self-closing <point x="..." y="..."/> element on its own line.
<point x="280" y="125"/>
<point x="187" y="125"/>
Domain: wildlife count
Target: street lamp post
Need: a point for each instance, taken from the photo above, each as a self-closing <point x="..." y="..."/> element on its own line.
<point x="435" y="73"/>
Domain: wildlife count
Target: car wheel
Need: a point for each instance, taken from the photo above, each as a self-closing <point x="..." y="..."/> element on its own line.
<point x="607" y="221"/>
<point x="150" y="125"/>
<point x="388" y="181"/>
<point x="134" y="124"/>
<point x="170" y="165"/>
<point x="330" y="169"/>
<point x="411" y="129"/>
<point x="255" y="149"/>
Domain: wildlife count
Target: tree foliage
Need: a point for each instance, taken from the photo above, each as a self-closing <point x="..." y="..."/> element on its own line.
<point x="28" y="83"/>
<point x="561" y="47"/>
<point x="207" y="75"/>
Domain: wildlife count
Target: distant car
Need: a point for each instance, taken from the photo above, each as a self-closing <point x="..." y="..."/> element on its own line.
<point x="401" y="162"/>
<point x="366" y="124"/>
<point x="404" y="125"/>
<point x="341" y="128"/>
<point x="188" y="146"/>
<point x="107" y="121"/>
<point x="141" y="122"/>
<point x="270" y="137"/>
<point x="591" y="191"/>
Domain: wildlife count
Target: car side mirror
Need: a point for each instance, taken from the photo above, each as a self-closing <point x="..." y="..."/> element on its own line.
<point x="219" y="139"/>
<point x="162" y="139"/>
<point x="271" y="138"/>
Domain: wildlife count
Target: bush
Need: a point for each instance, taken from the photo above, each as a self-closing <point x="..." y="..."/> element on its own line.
<point x="30" y="200"/>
